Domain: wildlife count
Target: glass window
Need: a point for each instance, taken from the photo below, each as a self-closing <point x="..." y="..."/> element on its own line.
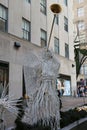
<point x="26" y="29"/>
<point x="28" y="1"/>
<point x="80" y="1"/>
<point x="57" y="19"/>
<point x="43" y="6"/>
<point x="3" y="18"/>
<point x="80" y="12"/>
<point x="65" y="24"/>
<point x="67" y="88"/>
<point x="56" y="45"/>
<point x="43" y="38"/>
<point x="63" y="85"/>
<point x="81" y="25"/>
<point x="4" y="74"/>
<point x="66" y="50"/>
<point x="83" y="69"/>
<point x="65" y="2"/>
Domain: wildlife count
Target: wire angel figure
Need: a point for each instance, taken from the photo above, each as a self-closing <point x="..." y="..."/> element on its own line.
<point x="7" y="103"/>
<point x="44" y="107"/>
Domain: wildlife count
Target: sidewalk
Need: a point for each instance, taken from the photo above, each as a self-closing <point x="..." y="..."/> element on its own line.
<point x="72" y="102"/>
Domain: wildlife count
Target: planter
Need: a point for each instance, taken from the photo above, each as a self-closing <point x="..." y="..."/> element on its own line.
<point x="76" y="123"/>
<point x="71" y="116"/>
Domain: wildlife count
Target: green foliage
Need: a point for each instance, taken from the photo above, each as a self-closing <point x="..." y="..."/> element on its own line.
<point x="79" y="61"/>
<point x="71" y="116"/>
<point x="83" y="51"/>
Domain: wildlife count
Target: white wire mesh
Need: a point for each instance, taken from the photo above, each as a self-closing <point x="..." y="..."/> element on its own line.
<point x="44" y="106"/>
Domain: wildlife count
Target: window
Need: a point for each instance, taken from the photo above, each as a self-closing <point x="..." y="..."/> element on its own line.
<point x="3" y="18"/>
<point x="56" y="45"/>
<point x="57" y="19"/>
<point x="28" y="1"/>
<point x="4" y="74"/>
<point x="66" y="50"/>
<point x="83" y="69"/>
<point x="64" y="85"/>
<point x="65" y="24"/>
<point x="43" y="38"/>
<point x="80" y="12"/>
<point x="81" y="25"/>
<point x="80" y="1"/>
<point x="26" y="29"/>
<point x="65" y="2"/>
<point x="43" y="6"/>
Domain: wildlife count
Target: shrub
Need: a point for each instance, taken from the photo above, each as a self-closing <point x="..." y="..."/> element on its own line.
<point x="71" y="116"/>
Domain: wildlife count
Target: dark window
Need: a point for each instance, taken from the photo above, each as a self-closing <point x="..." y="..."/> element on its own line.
<point x="26" y="29"/>
<point x="4" y="74"/>
<point x="65" y="2"/>
<point x="3" y="18"/>
<point x="43" y="38"/>
<point x="57" y="19"/>
<point x="28" y="1"/>
<point x="43" y="6"/>
<point x="66" y="50"/>
<point x="56" y="45"/>
<point x="65" y="24"/>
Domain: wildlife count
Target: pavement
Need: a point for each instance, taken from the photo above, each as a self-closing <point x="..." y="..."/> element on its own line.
<point x="72" y="102"/>
<point x="67" y="103"/>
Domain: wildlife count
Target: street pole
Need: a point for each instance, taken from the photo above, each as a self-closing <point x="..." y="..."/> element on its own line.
<point x="51" y="31"/>
<point x="55" y="8"/>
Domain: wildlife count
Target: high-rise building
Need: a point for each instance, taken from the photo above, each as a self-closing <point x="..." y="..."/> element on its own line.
<point x="80" y="21"/>
<point x="25" y="27"/>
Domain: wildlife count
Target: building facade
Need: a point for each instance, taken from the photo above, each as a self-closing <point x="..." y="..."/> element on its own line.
<point x="24" y="31"/>
<point x="80" y="20"/>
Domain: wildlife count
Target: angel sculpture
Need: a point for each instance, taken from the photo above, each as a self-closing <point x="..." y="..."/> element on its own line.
<point x="7" y="104"/>
<point x="44" y="108"/>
